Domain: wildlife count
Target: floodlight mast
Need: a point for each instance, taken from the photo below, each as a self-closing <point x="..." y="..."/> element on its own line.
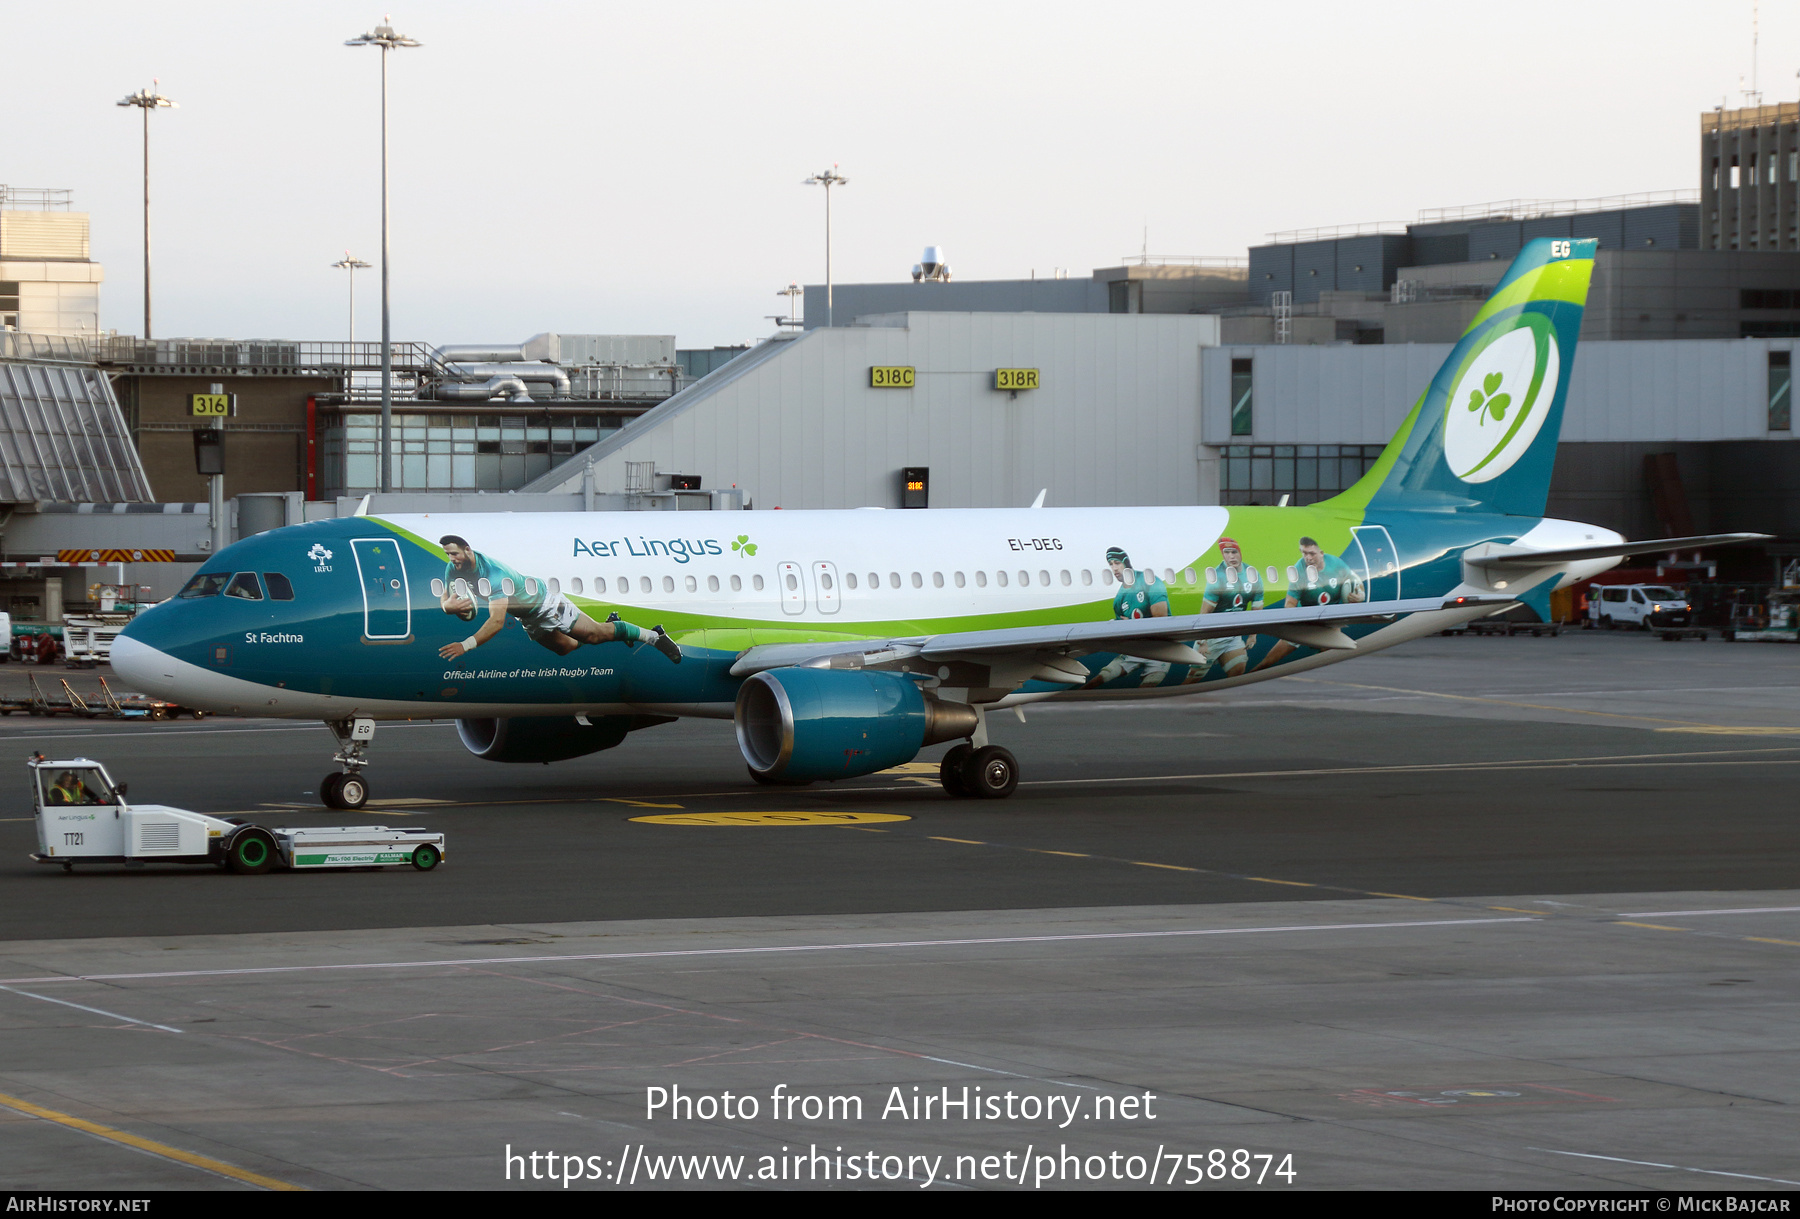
<point x="383" y="36"/>
<point x="352" y="265"/>
<point x="147" y="100"/>
<point x="828" y="179"/>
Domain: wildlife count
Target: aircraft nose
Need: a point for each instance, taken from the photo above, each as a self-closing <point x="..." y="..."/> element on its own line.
<point x="151" y="670"/>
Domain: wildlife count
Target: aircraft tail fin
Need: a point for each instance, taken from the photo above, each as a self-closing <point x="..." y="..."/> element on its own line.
<point x="1483" y="436"/>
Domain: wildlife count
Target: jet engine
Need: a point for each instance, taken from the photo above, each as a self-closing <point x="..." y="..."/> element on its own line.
<point x="548" y="738"/>
<point x="801" y="724"/>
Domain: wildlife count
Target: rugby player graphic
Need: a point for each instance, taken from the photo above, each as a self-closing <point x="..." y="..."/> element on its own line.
<point x="1140" y="595"/>
<point x="1232" y="588"/>
<point x="1322" y="579"/>
<point x="549" y="618"/>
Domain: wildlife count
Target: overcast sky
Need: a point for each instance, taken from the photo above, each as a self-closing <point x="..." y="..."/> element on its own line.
<point x="611" y="168"/>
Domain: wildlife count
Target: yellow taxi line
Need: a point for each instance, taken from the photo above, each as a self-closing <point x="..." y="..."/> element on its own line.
<point x="205" y="1163"/>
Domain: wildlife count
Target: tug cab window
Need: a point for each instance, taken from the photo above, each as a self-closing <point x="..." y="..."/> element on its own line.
<point x="74" y="785"/>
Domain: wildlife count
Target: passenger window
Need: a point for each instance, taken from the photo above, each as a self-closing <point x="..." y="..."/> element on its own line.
<point x="849" y="579"/>
<point x="793" y="582"/>
<point x="483" y="587"/>
<point x="825" y="581"/>
<point x="206" y="584"/>
<point x="1212" y="575"/>
<point x="1106" y="576"/>
<point x="692" y="585"/>
<point x="506" y="586"/>
<point x="918" y="580"/>
<point x="1024" y="579"/>
<point x="893" y="579"/>
<point x="756" y="582"/>
<point x="874" y="579"/>
<point x="1044" y="578"/>
<point x="1087" y="577"/>
<point x="244" y="585"/>
<point x="981" y="579"/>
<point x="531" y="587"/>
<point x="736" y="584"/>
<point x="668" y="584"/>
<point x="644" y="583"/>
<point x="712" y="584"/>
<point x="1274" y="578"/>
<point x="1293" y="576"/>
<point x="960" y="582"/>
<point x="1000" y="578"/>
<point x="575" y="585"/>
<point x="280" y="587"/>
<point x="555" y="589"/>
<point x="437" y="587"/>
<point x="1188" y="576"/>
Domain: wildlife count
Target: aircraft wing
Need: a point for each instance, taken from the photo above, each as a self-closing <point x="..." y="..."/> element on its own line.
<point x="1165" y="639"/>
<point x="1491" y="555"/>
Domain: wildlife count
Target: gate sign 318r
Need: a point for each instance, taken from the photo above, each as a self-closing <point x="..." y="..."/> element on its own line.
<point x="1015" y="378"/>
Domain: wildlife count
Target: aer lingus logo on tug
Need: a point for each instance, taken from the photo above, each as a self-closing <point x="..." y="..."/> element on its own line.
<point x="1501" y="397"/>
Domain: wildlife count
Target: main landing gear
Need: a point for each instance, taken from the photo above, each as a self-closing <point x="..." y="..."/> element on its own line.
<point x="978" y="770"/>
<point x="348" y="788"/>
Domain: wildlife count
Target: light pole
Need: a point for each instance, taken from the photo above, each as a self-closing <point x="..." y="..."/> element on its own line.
<point x="828" y="179"/>
<point x="383" y="36"/>
<point x="352" y="265"/>
<point x="147" y="100"/>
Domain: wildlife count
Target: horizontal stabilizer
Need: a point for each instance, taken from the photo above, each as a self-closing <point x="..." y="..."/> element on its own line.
<point x="1491" y="555"/>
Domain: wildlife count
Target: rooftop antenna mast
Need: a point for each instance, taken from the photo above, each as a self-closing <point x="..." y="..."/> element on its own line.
<point x="793" y="291"/>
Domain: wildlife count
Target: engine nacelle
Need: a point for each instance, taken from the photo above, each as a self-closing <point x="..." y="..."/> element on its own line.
<point x="806" y="724"/>
<point x="548" y="738"/>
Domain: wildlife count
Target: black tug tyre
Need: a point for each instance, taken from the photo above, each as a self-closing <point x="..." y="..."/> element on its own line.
<point x="352" y="791"/>
<point x="950" y="771"/>
<point x="991" y="773"/>
<point x="252" y="851"/>
<point x="426" y="857"/>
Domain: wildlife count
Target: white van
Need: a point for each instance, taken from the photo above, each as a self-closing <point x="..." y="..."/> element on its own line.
<point x="1639" y="605"/>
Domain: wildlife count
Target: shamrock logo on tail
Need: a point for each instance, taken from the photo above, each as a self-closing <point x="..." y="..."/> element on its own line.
<point x="1487" y="401"/>
<point x="744" y="544"/>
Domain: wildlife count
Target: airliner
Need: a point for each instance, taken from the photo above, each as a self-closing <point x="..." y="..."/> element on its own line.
<point x="841" y="643"/>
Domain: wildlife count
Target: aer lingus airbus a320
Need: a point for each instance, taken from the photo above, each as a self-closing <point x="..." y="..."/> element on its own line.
<point x="843" y="643"/>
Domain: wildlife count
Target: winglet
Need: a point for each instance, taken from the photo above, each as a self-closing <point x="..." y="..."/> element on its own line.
<point x="1039" y="501"/>
<point x="362" y="509"/>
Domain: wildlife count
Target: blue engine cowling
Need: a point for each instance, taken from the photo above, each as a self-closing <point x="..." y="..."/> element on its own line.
<point x="802" y="724"/>
<point x="548" y="738"/>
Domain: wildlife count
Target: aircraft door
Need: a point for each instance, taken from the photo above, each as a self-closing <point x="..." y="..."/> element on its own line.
<point x="792" y="581"/>
<point x="825" y="586"/>
<point x="1380" y="562"/>
<point x="387" y="599"/>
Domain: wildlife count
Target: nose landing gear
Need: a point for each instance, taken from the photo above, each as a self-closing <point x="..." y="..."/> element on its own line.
<point x="348" y="788"/>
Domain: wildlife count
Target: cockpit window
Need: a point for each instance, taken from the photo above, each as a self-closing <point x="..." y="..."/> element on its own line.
<point x="244" y="585"/>
<point x="280" y="587"/>
<point x="206" y="584"/>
